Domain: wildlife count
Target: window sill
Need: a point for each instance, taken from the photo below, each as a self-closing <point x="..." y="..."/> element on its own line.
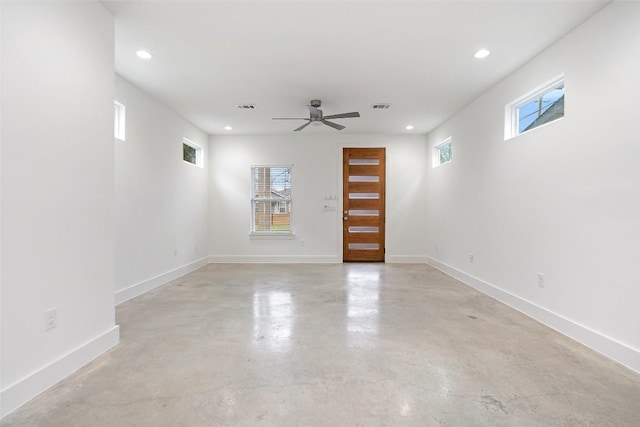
<point x="272" y="235"/>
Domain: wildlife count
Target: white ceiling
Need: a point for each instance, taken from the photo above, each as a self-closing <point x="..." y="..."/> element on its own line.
<point x="416" y="55"/>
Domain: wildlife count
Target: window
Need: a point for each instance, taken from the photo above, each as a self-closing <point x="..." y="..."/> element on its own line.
<point x="541" y="106"/>
<point x="118" y="120"/>
<point x="442" y="153"/>
<point x="271" y="200"/>
<point x="191" y="152"/>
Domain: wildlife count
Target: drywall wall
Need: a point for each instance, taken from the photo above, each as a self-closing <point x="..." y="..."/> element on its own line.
<point x="161" y="205"/>
<point x="561" y="200"/>
<point x="57" y="192"/>
<point x="316" y="176"/>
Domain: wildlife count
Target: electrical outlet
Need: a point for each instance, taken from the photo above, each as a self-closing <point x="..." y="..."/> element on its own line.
<point x="301" y="242"/>
<point x="541" y="280"/>
<point x="50" y="319"/>
<point x="471" y="258"/>
<point x="175" y="252"/>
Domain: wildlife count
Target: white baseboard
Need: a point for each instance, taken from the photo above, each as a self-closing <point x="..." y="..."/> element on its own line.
<point x="17" y="394"/>
<point x="146" y="285"/>
<point x="405" y="259"/>
<point x="274" y="259"/>
<point x="620" y="352"/>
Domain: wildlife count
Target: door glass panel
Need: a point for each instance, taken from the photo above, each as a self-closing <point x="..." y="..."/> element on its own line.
<point x="364" y="161"/>
<point x="358" y="178"/>
<point x="364" y="195"/>
<point x="364" y="246"/>
<point x="364" y="229"/>
<point x="364" y="212"/>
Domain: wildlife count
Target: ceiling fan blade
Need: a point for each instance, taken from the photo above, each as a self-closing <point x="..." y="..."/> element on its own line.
<point x="289" y="118"/>
<point x="343" y="115"/>
<point x="333" y="125"/>
<point x="303" y="126"/>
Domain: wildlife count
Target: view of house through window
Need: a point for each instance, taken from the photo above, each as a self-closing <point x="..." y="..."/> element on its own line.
<point x="543" y="105"/>
<point x="544" y="108"/>
<point x="271" y="199"/>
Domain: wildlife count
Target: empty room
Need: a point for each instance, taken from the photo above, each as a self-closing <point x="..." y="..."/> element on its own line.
<point x="319" y="213"/>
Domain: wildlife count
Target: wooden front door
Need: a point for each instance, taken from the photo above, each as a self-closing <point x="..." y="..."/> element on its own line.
<point x="363" y="204"/>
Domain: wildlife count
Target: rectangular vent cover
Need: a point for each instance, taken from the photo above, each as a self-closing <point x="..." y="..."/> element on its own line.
<point x="246" y="106"/>
<point x="380" y="106"/>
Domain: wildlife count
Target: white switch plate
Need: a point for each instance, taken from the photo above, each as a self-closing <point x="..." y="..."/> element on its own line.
<point x="541" y="280"/>
<point x="50" y="319"/>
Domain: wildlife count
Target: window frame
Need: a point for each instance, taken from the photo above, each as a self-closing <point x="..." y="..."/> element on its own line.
<point x="198" y="148"/>
<point x="264" y="233"/>
<point x="119" y="120"/>
<point x="436" y="152"/>
<point x="512" y="118"/>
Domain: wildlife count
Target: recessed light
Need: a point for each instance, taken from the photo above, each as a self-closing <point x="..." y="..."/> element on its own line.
<point x="482" y="53"/>
<point x="143" y="54"/>
<point x="228" y="128"/>
<point x="408" y="127"/>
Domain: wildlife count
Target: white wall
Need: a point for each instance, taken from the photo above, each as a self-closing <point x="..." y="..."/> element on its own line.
<point x="161" y="201"/>
<point x="562" y="200"/>
<point x="57" y="192"/>
<point x="317" y="171"/>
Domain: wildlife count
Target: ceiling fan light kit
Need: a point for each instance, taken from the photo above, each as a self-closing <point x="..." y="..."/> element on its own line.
<point x="316" y="117"/>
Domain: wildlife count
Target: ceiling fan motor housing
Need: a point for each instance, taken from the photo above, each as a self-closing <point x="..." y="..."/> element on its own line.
<point x="317" y="117"/>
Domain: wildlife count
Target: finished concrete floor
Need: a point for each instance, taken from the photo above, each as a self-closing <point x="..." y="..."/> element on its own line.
<point x="334" y="345"/>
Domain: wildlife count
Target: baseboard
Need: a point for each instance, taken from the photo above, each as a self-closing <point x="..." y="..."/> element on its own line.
<point x="17" y="394"/>
<point x="274" y="259"/>
<point x="405" y="259"/>
<point x="146" y="285"/>
<point x="609" y="347"/>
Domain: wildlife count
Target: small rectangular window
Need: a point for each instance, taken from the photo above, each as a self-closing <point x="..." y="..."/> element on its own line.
<point x="538" y="107"/>
<point x="118" y="120"/>
<point x="271" y="200"/>
<point x="442" y="153"/>
<point x="191" y="152"/>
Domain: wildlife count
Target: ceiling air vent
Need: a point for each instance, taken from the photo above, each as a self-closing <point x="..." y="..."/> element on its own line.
<point x="380" y="106"/>
<point x="246" y="106"/>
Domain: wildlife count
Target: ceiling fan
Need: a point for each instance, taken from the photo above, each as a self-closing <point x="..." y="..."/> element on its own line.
<point x="315" y="116"/>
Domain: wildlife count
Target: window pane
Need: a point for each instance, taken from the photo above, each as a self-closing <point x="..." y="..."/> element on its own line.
<point x="364" y="161"/>
<point x="544" y="108"/>
<point x="444" y="152"/>
<point x="364" y="246"/>
<point x="271" y="183"/>
<point x="359" y="178"/>
<point x="189" y="154"/>
<point x="364" y="195"/>
<point x="272" y="216"/>
<point x="364" y="212"/>
<point x="361" y="229"/>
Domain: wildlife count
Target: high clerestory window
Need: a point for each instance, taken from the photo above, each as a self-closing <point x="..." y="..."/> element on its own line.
<point x="543" y="105"/>
<point x="271" y="200"/>
<point x="191" y="152"/>
<point x="442" y="153"/>
<point x="119" y="114"/>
